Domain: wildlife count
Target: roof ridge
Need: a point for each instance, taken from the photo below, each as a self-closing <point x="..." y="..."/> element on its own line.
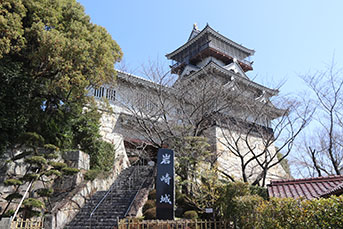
<point x="136" y="76"/>
<point x="322" y="178"/>
<point x="209" y="29"/>
<point x="239" y="46"/>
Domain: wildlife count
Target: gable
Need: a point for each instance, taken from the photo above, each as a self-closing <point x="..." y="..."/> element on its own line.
<point x="236" y="68"/>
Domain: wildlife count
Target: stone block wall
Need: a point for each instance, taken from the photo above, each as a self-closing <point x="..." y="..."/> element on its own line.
<point x="66" y="209"/>
<point x="5" y="223"/>
<point x="231" y="164"/>
<point x="77" y="159"/>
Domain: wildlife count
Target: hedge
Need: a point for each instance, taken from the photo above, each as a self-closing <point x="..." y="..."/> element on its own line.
<point x="252" y="211"/>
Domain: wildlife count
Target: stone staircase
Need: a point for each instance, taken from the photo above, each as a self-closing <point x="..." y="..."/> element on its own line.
<point x="105" y="207"/>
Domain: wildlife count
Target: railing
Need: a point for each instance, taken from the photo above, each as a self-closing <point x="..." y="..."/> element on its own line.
<point x="27" y="223"/>
<point x="175" y="224"/>
<point x="140" y="187"/>
<point x="133" y="176"/>
<point x="176" y="64"/>
<point x="245" y="62"/>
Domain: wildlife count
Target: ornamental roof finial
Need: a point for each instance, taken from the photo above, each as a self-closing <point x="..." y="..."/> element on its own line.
<point x="195" y="26"/>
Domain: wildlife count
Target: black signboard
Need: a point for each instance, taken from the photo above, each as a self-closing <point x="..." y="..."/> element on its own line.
<point x="165" y="184"/>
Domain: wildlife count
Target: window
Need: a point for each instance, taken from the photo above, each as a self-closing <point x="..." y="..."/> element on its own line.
<point x="111" y="94"/>
<point x="108" y="93"/>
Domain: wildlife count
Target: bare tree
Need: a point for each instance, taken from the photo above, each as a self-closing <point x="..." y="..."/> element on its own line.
<point x="162" y="113"/>
<point x="226" y="111"/>
<point x="323" y="143"/>
<point x="261" y="137"/>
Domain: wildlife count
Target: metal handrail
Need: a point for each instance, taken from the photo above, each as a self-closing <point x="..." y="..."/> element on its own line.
<point x="109" y="191"/>
<point x="22" y="199"/>
<point x="140" y="187"/>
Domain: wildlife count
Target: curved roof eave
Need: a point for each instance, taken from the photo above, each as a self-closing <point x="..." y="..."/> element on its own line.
<point x="215" y="33"/>
<point x="242" y="79"/>
<point x="131" y="78"/>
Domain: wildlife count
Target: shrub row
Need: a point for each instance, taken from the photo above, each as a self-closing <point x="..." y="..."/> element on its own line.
<point x="252" y="211"/>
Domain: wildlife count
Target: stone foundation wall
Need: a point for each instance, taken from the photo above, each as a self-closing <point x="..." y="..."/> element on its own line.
<point x="66" y="210"/>
<point x="74" y="190"/>
<point x="231" y="164"/>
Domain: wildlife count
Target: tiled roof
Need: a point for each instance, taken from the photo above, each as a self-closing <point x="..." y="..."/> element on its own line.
<point x="208" y="29"/>
<point x="308" y="188"/>
<point x="338" y="190"/>
<point x="142" y="81"/>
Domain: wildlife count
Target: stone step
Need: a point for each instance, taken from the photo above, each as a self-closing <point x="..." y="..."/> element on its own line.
<point x="114" y="205"/>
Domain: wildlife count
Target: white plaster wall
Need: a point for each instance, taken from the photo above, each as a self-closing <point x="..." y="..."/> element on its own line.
<point x="114" y="130"/>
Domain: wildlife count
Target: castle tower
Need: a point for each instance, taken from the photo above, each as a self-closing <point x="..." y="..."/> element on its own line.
<point x="244" y="121"/>
<point x="212" y="55"/>
<point x="205" y="45"/>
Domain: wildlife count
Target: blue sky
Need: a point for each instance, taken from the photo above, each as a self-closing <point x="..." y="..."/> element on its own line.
<point x="290" y="37"/>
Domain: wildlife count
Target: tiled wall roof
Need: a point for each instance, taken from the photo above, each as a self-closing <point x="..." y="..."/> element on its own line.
<point x="308" y="188"/>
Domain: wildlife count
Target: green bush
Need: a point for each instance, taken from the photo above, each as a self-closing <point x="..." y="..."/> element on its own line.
<point x="31" y="139"/>
<point x="9" y="182"/>
<point x="148" y="205"/>
<point x="68" y="171"/>
<point x="91" y="174"/>
<point x="258" y="190"/>
<point x="45" y="192"/>
<point x="51" y="156"/>
<point x="37" y="160"/>
<point x="190" y="215"/>
<point x="150" y="213"/>
<point x="152" y="195"/>
<point x="57" y="165"/>
<point x="33" y="203"/>
<point x="102" y="158"/>
<point x="52" y="172"/>
<point x="226" y="201"/>
<point x="244" y="210"/>
<point x="30" y="177"/>
<point x="252" y="211"/>
<point x="9" y="213"/>
<point x="14" y="196"/>
<point x="88" y="138"/>
<point x="51" y="147"/>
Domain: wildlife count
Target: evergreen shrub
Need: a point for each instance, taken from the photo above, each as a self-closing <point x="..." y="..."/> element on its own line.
<point x="150" y="213"/>
<point x="252" y="211"/>
<point x="68" y="171"/>
<point x="148" y="205"/>
<point x="152" y="195"/>
<point x="190" y="215"/>
<point x="91" y="174"/>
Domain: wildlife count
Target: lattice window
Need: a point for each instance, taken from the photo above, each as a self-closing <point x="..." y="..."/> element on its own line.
<point x="111" y="94"/>
<point x="99" y="92"/>
<point x="108" y="93"/>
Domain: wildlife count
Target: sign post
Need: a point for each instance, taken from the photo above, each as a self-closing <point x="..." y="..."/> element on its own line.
<point x="165" y="184"/>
